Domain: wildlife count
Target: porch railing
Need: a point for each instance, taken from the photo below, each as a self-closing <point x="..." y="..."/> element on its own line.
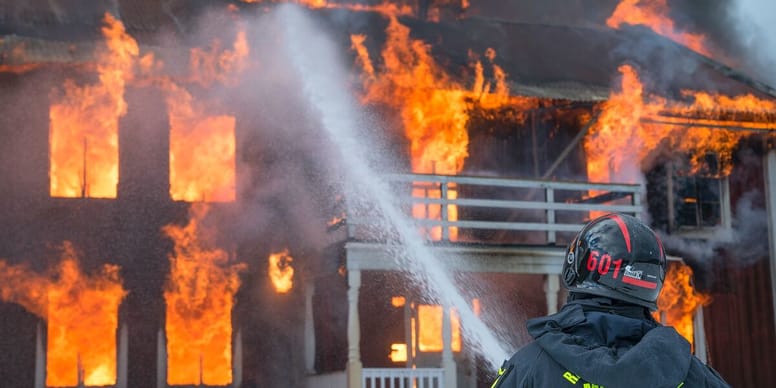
<point x="402" y="378"/>
<point x="448" y="205"/>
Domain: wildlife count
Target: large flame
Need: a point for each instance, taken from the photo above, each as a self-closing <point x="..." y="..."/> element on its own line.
<point x="633" y="124"/>
<point x="199" y="295"/>
<point x="81" y="312"/>
<point x="83" y="133"/>
<point x="202" y="150"/>
<point x="434" y="108"/>
<point x="281" y="273"/>
<point x="678" y="300"/>
<point x="202" y="144"/>
<point x="655" y="15"/>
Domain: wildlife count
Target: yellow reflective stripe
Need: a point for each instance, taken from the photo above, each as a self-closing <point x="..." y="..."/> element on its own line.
<point x="500" y="373"/>
<point x="680" y="385"/>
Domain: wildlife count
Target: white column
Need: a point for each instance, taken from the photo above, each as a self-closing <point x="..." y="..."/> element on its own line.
<point x="770" y="190"/>
<point x="551" y="288"/>
<point x="448" y="363"/>
<point x="161" y="360"/>
<point x="237" y="360"/>
<point x="354" y="331"/>
<point x="40" y="359"/>
<point x="122" y="359"/>
<point x="309" y="327"/>
<point x="699" y="335"/>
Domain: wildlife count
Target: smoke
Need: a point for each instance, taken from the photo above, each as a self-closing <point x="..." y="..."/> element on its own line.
<point x="754" y="22"/>
<point x="742" y="245"/>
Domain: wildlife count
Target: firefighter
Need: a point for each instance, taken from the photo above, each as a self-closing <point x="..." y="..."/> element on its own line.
<point x="605" y="336"/>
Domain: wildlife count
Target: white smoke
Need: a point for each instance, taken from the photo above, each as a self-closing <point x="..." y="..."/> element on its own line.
<point x="755" y="24"/>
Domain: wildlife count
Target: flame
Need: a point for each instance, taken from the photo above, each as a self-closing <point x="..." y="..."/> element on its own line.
<point x="202" y="145"/>
<point x="398" y="353"/>
<point x="202" y="149"/>
<point x="398" y="301"/>
<point x="199" y="294"/>
<point x="217" y="65"/>
<point x="678" y="300"/>
<point x="281" y="273"/>
<point x="430" y="329"/>
<point x="83" y="133"/>
<point x="79" y="309"/>
<point x="633" y="124"/>
<point x="434" y="108"/>
<point x="654" y="14"/>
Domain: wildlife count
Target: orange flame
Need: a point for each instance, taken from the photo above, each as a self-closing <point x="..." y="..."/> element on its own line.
<point x="654" y="14"/>
<point x="678" y="300"/>
<point x="633" y="124"/>
<point x="398" y="353"/>
<point x="281" y="273"/>
<point x="216" y="65"/>
<point x="199" y="295"/>
<point x="430" y="329"/>
<point x="202" y="149"/>
<point x="434" y="108"/>
<point x="83" y="133"/>
<point x="79" y="309"/>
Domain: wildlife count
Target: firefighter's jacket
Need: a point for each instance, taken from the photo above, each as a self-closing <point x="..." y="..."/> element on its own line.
<point x="591" y="345"/>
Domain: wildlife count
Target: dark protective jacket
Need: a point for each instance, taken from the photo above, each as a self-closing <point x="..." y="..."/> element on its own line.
<point x="593" y="343"/>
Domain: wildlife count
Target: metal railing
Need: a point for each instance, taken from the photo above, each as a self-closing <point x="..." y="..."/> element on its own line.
<point x="443" y="206"/>
<point x="402" y="378"/>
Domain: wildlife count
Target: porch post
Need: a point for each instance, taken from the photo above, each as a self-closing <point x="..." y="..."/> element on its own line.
<point x="309" y="327"/>
<point x="354" y="331"/>
<point x="448" y="363"/>
<point x="770" y="200"/>
<point x="551" y="288"/>
<point x="40" y="359"/>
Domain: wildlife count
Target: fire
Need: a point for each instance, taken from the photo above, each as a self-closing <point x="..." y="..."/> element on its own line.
<point x="678" y="300"/>
<point x="281" y="273"/>
<point x="79" y="309"/>
<point x="202" y="149"/>
<point x="633" y="124"/>
<point x="217" y="65"/>
<point x="199" y="294"/>
<point x="430" y="329"/>
<point x="202" y="145"/>
<point x="434" y="108"/>
<point x="398" y="353"/>
<point x="654" y="14"/>
<point x="83" y="133"/>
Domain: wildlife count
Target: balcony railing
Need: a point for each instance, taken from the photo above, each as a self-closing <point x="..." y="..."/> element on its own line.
<point x="457" y="208"/>
<point x="402" y="378"/>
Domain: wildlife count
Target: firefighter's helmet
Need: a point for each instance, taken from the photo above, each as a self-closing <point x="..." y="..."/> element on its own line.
<point x="619" y="257"/>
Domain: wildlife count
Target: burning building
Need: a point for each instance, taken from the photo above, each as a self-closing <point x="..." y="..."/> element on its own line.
<point x="169" y="219"/>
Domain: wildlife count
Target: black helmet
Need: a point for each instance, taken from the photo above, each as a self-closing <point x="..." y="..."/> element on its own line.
<point x="618" y="257"/>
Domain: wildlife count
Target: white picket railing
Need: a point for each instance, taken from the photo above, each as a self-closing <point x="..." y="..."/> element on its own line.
<point x="402" y="378"/>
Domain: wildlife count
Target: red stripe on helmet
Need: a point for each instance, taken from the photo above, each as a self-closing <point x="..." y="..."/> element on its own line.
<point x="639" y="282"/>
<point x="624" y="229"/>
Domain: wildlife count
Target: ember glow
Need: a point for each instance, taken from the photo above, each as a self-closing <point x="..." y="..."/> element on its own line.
<point x="281" y="273"/>
<point x="655" y="15"/>
<point x="81" y="313"/>
<point x="434" y="109"/>
<point x="678" y="300"/>
<point x="199" y="295"/>
<point x="83" y="132"/>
